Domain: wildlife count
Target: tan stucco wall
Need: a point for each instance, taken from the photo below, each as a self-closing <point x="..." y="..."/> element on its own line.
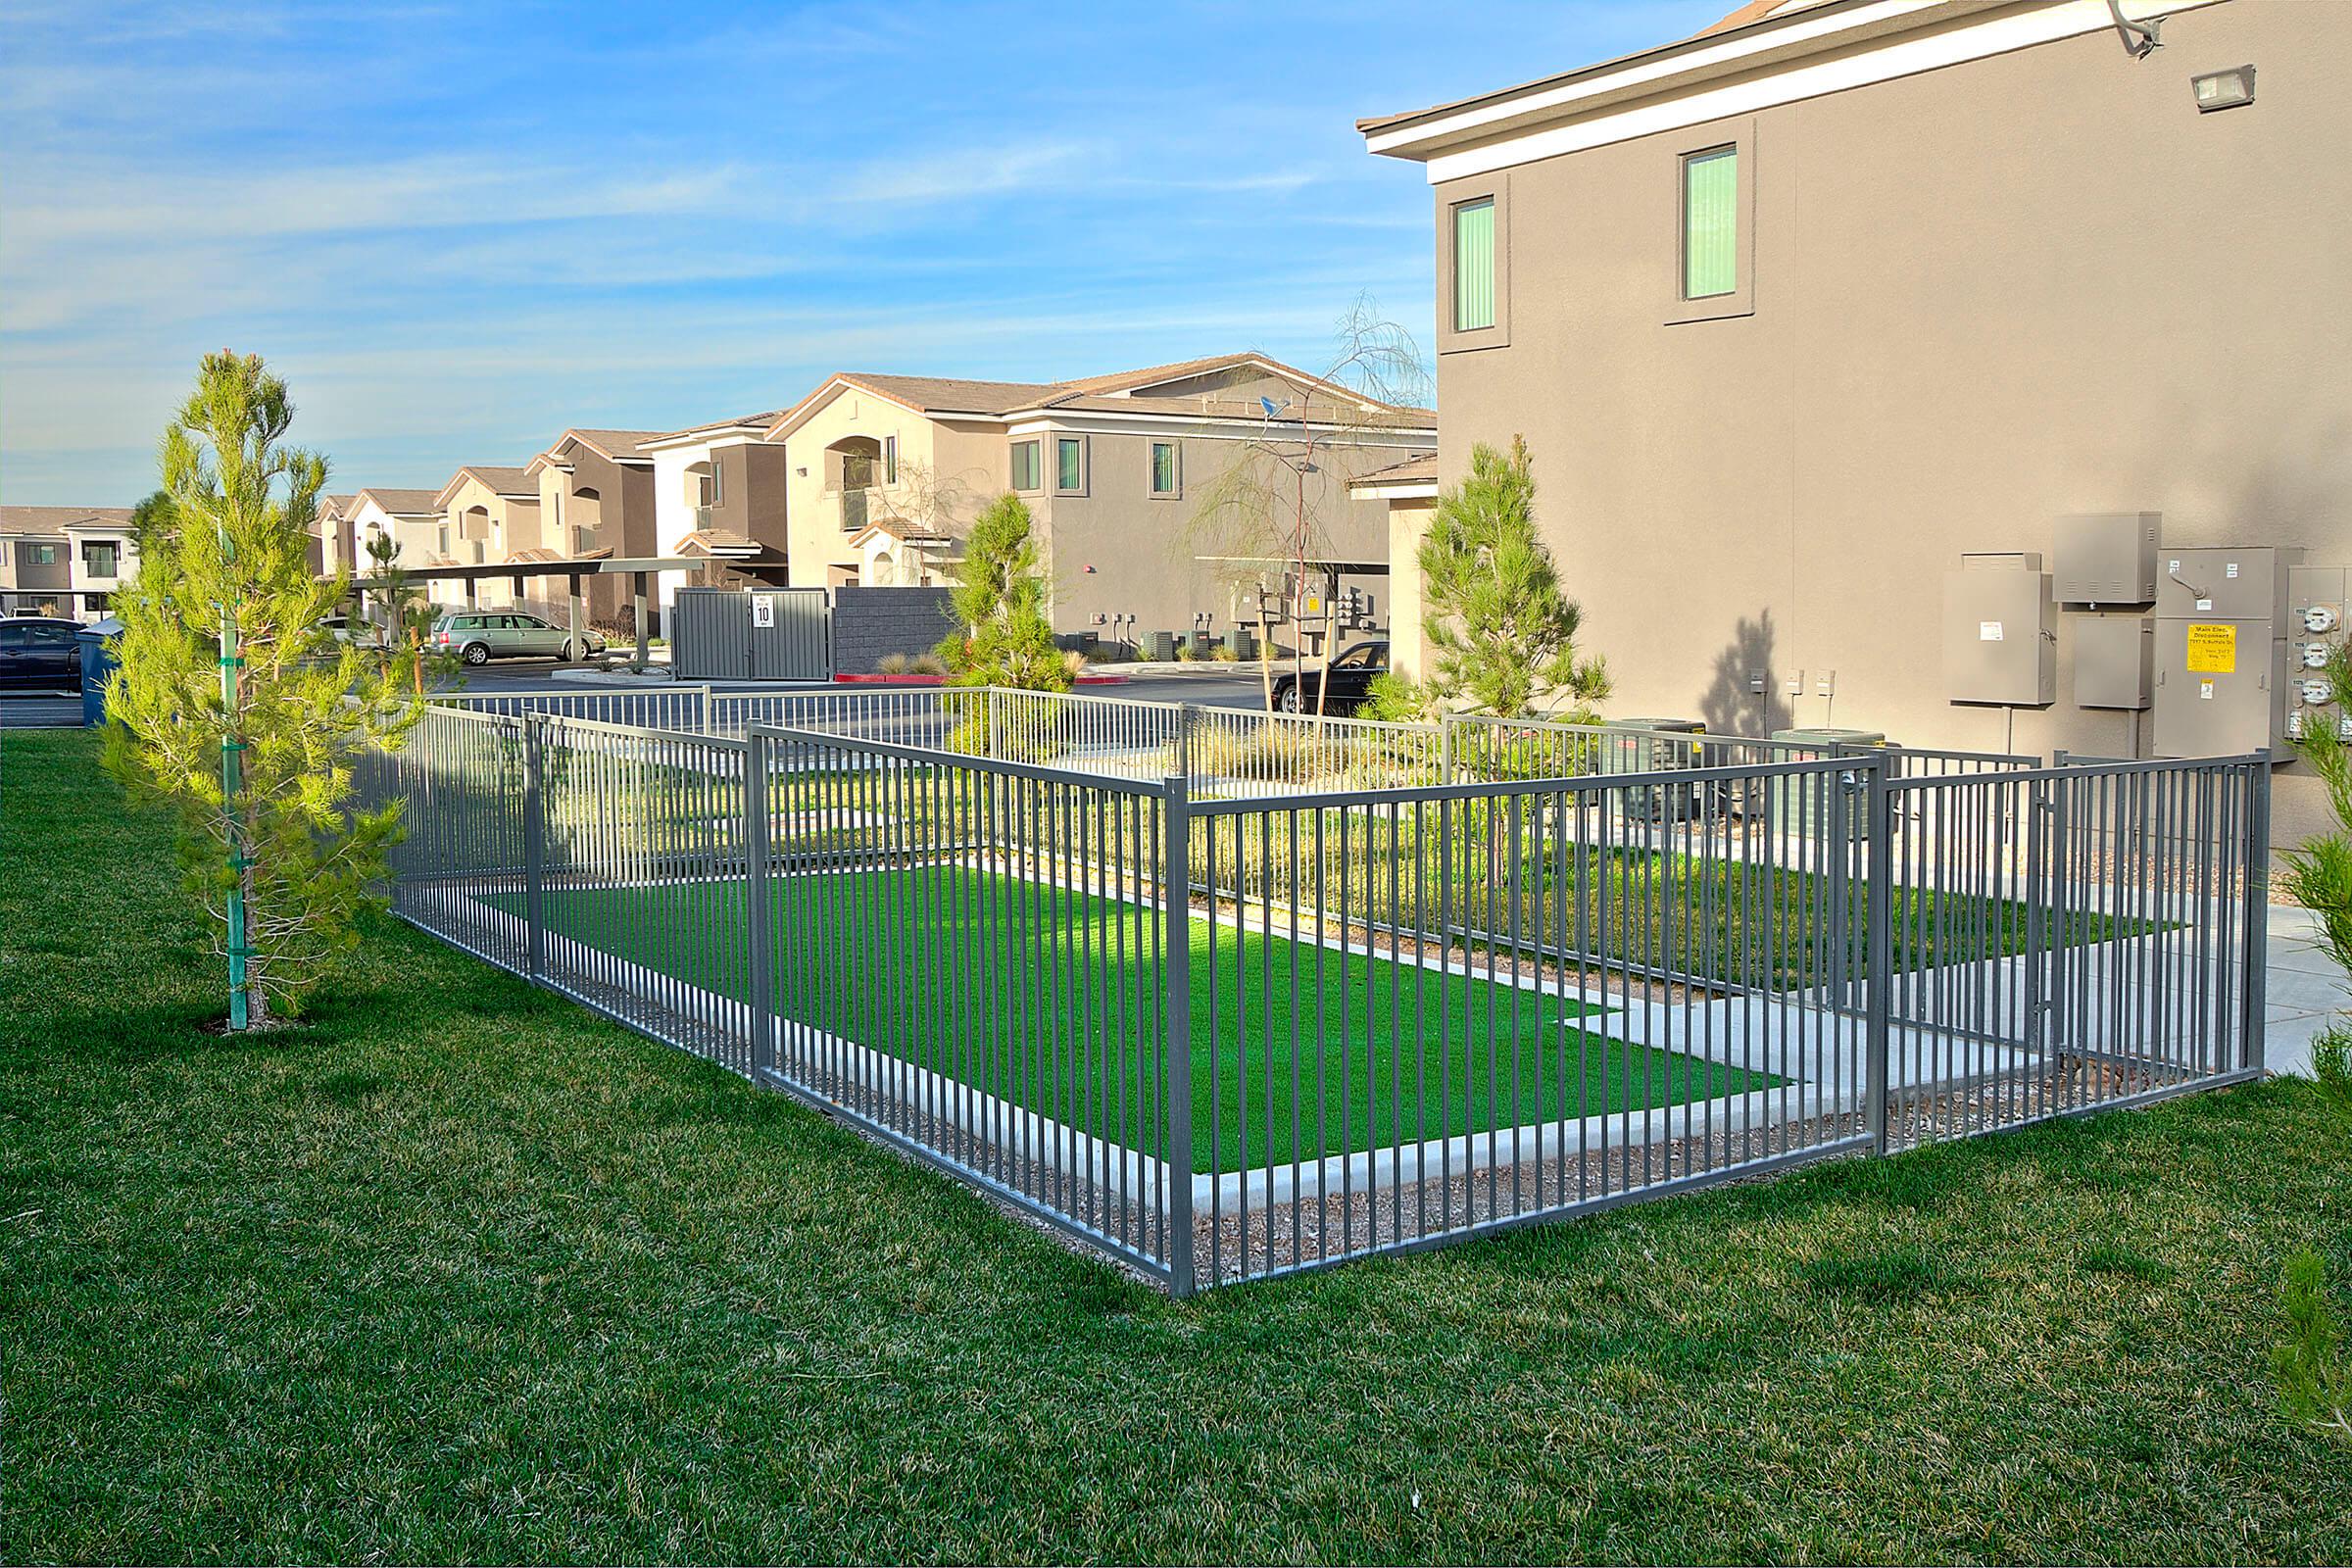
<point x="964" y="459"/>
<point x="1409" y="650"/>
<point x="1986" y="296"/>
<point x="1143" y="551"/>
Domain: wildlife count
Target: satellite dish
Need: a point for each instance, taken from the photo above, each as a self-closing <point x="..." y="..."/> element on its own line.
<point x="1268" y="404"/>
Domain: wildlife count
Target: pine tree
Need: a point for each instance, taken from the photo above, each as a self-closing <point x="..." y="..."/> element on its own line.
<point x="1000" y="598"/>
<point x="236" y="707"/>
<point x="1503" y="629"/>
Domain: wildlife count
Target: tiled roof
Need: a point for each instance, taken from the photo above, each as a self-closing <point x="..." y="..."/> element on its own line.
<point x="1153" y="374"/>
<point x="714" y="541"/>
<point x="612" y="443"/>
<point x="1422" y="469"/>
<point x="399" y="503"/>
<point x="56" y="519"/>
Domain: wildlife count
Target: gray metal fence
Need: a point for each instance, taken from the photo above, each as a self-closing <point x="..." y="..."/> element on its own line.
<point x="1223" y="1035"/>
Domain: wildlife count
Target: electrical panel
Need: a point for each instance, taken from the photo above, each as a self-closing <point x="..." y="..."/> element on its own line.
<point x="2114" y="660"/>
<point x="2226" y="582"/>
<point x="2107" y="557"/>
<point x="2221" y="654"/>
<point x="2000" y="632"/>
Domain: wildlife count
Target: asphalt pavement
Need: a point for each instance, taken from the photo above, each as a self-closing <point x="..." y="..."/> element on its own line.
<point x="1215" y="686"/>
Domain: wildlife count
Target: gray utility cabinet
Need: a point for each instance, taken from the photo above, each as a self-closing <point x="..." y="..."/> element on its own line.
<point x="2114" y="660"/>
<point x="2108" y="558"/>
<point x="2000" y="632"/>
<point x="2220" y="649"/>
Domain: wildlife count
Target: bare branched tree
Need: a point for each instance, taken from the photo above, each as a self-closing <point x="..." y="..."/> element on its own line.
<point x="1283" y="497"/>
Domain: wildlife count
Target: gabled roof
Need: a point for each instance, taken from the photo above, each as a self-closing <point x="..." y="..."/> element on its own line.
<point x="399" y="503"/>
<point x="512" y="483"/>
<point x="57" y="519"/>
<point x="1123" y="391"/>
<point x="724" y="542"/>
<point x="752" y="423"/>
<point x="617" y="446"/>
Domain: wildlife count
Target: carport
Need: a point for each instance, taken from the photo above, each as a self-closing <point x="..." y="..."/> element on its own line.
<point x="639" y="570"/>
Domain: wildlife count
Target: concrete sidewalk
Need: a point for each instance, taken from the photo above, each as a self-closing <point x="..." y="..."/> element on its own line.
<point x="2305" y="989"/>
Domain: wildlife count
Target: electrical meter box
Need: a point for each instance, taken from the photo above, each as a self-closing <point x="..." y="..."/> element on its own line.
<point x="2107" y="557"/>
<point x="2221" y="649"/>
<point x="2000" y="632"/>
<point x="2226" y="582"/>
<point x="2114" y="660"/>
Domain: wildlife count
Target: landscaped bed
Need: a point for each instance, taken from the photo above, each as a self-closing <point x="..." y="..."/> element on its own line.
<point x="457" y="1270"/>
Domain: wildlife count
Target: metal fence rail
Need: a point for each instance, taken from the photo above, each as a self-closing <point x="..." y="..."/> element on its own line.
<point x="1223" y="1026"/>
<point x="679" y="708"/>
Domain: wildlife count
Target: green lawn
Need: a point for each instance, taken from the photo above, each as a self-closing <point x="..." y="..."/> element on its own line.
<point x="1052" y="1016"/>
<point x="459" y="1271"/>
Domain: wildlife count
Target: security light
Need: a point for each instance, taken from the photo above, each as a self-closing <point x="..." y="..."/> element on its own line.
<point x="2223" y="89"/>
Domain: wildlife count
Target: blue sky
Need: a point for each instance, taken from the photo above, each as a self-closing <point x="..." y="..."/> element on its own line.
<point x="457" y="229"/>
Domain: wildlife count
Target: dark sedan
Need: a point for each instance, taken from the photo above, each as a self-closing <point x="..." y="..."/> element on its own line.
<point x="1351" y="682"/>
<point x="40" y="653"/>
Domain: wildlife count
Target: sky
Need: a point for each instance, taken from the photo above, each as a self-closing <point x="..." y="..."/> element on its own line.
<point x="457" y="229"/>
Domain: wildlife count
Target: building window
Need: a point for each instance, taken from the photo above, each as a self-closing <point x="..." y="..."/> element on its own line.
<point x="1070" y="465"/>
<point x="1025" y="476"/>
<point x="100" y="560"/>
<point x="41" y="556"/>
<point x="1474" y="265"/>
<point x="441" y="539"/>
<point x="1711" y="223"/>
<point x="889" y="460"/>
<point x="1167" y="476"/>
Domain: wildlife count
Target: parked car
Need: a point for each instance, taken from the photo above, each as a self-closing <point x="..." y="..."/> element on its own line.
<point x="346" y="629"/>
<point x="1351" y="684"/>
<point x="41" y="653"/>
<point x="478" y="636"/>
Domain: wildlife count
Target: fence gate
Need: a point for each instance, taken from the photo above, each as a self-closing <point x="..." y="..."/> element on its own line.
<point x="754" y="634"/>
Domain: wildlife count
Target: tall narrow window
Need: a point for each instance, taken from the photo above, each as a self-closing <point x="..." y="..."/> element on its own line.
<point x="1474" y="264"/>
<point x="889" y="460"/>
<point x="1711" y="223"/>
<point x="1025" y="472"/>
<point x="1070" y="465"/>
<point x="1165" y="476"/>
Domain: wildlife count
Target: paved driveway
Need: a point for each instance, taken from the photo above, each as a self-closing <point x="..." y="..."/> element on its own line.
<point x="40" y="711"/>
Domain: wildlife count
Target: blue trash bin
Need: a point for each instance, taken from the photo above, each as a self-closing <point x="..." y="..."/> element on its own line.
<point x="97" y="664"/>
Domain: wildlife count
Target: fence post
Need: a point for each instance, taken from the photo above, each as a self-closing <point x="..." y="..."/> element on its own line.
<point x="762" y="972"/>
<point x="534" y="846"/>
<point x="1878" y="964"/>
<point x="2254" y="995"/>
<point x="1445" y="747"/>
<point x="1176" y="1038"/>
<point x="1186" y="719"/>
<point x="705" y="726"/>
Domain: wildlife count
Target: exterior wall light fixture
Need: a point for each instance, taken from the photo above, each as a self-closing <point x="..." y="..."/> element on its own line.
<point x="2223" y="89"/>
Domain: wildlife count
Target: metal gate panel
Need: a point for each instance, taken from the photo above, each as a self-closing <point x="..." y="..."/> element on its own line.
<point x="790" y="632"/>
<point x="758" y="634"/>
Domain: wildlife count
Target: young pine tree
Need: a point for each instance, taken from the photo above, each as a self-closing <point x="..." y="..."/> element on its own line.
<point x="233" y="705"/>
<point x="1000" y="598"/>
<point x="1503" y="629"/>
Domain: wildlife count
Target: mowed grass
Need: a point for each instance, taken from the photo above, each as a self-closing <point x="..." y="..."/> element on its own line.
<point x="1045" y="995"/>
<point x="457" y="1271"/>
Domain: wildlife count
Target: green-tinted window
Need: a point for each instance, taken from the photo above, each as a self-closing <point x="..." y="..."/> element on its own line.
<point x="1069" y="463"/>
<point x="1163" y="467"/>
<point x="1024" y="466"/>
<point x="1711" y="223"/>
<point x="1474" y="265"/>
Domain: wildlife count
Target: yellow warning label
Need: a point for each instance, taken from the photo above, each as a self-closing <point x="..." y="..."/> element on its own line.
<point x="2212" y="649"/>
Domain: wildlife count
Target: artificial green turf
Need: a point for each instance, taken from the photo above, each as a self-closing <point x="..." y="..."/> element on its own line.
<point x="457" y="1271"/>
<point x="1042" y="995"/>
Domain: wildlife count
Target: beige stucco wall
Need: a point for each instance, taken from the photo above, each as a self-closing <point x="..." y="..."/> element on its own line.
<point x="1409" y="649"/>
<point x="1143" y="549"/>
<point x="1985" y="297"/>
<point x="967" y="460"/>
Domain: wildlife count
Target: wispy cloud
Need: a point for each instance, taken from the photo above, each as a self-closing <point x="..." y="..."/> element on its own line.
<point x="458" y="228"/>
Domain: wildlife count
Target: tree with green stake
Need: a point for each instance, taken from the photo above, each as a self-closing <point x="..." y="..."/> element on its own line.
<point x="236" y="707"/>
<point x="1000" y="598"/>
<point x="1503" y="628"/>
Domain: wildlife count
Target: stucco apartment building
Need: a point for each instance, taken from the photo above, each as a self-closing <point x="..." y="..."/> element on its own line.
<point x="64" y="561"/>
<point x="882" y="473"/>
<point x="1797" y="313"/>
